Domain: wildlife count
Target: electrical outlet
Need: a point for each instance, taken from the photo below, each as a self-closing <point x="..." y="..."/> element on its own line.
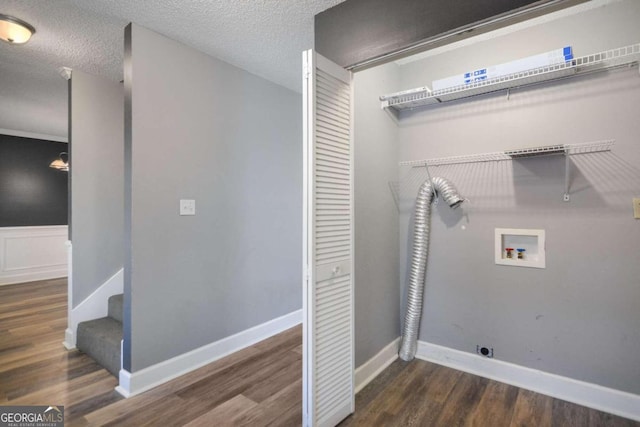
<point x="636" y="207"/>
<point x="187" y="207"/>
<point x="484" y="351"/>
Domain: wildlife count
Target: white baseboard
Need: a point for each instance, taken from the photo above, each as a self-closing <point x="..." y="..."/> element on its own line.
<point x="152" y="376"/>
<point x="69" y="338"/>
<point x="69" y="334"/>
<point x="32" y="253"/>
<point x="94" y="306"/>
<point x="34" y="277"/>
<point x="370" y="369"/>
<point x="582" y="393"/>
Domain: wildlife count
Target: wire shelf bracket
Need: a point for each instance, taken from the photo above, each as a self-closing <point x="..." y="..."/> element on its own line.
<point x="607" y="60"/>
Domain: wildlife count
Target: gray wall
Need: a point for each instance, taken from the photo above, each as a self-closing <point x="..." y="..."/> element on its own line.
<point x="97" y="183"/>
<point x="202" y="129"/>
<point x="376" y="216"/>
<point x="579" y="316"/>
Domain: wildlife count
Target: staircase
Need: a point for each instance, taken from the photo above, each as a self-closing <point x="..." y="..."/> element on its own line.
<point x="100" y="338"/>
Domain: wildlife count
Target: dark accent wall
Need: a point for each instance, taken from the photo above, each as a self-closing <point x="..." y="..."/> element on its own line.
<point x="359" y="30"/>
<point x="31" y="193"/>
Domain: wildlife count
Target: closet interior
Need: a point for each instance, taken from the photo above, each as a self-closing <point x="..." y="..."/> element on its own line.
<point x="543" y="149"/>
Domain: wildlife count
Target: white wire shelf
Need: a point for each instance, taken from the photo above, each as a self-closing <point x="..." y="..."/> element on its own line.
<point x="623" y="56"/>
<point x="567" y="150"/>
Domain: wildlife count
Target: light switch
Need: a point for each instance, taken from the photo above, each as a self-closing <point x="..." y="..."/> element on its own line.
<point x="187" y="207"/>
<point x="636" y="207"/>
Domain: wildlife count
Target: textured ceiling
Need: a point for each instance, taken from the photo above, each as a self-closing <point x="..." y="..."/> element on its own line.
<point x="264" y="37"/>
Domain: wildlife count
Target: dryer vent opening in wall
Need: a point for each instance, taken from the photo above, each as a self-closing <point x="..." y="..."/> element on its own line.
<point x="485" y="351"/>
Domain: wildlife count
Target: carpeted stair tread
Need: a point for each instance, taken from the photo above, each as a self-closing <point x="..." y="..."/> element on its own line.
<point x="100" y="339"/>
<point x="115" y="306"/>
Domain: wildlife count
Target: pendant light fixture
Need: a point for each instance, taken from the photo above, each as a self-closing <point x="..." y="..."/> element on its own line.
<point x="14" y="30"/>
<point x="60" y="163"/>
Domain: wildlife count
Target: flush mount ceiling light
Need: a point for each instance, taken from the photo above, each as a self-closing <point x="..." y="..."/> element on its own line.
<point x="14" y="30"/>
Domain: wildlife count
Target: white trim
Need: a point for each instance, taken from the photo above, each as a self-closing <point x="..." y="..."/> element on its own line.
<point x="370" y="369"/>
<point x="352" y="238"/>
<point x="308" y="78"/>
<point x="583" y="393"/>
<point x="69" y="339"/>
<point x="33" y="135"/>
<point x="32" y="253"/>
<point x="152" y="376"/>
<point x="94" y="306"/>
<point x="69" y="335"/>
<point x="125" y="384"/>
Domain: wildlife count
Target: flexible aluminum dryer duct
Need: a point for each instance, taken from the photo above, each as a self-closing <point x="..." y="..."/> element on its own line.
<point x="428" y="191"/>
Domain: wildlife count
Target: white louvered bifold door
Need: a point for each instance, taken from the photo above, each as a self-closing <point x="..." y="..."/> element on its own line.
<point x="328" y="391"/>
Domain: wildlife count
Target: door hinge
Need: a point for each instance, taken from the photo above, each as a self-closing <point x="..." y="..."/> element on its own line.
<point x="305" y="71"/>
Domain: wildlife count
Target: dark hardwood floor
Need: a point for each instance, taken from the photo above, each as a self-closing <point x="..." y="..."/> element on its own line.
<point x="420" y="393"/>
<point x="258" y="386"/>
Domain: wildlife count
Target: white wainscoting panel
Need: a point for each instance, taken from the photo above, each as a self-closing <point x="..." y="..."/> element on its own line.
<point x="32" y="253"/>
